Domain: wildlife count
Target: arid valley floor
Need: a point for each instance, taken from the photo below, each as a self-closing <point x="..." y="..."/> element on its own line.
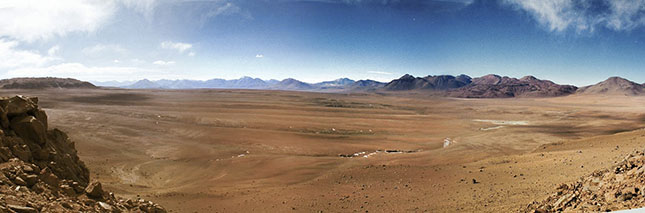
<point x="278" y="151"/>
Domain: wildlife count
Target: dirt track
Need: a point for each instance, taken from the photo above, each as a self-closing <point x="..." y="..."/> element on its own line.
<point x="240" y="150"/>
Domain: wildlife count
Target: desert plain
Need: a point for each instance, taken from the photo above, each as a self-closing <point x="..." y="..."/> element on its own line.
<point x="285" y="151"/>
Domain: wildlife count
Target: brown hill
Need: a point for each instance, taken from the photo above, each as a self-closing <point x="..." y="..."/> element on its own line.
<point x="44" y="83"/>
<point x="437" y="82"/>
<point x="494" y="86"/>
<point x="613" y="86"/>
<point x="40" y="170"/>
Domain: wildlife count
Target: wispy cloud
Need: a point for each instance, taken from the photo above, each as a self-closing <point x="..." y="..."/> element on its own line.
<point x="178" y="46"/>
<point x="12" y="57"/>
<point x="584" y="15"/>
<point x="380" y="72"/>
<point x="259" y="56"/>
<point x="163" y="63"/>
<point x="103" y="48"/>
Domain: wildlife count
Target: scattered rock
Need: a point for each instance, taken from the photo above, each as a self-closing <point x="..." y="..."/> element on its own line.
<point x="610" y="189"/>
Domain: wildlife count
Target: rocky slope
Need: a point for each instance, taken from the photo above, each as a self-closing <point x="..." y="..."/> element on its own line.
<point x="620" y="187"/>
<point x="494" y="86"/>
<point x="40" y="170"/>
<point x="613" y="86"/>
<point x="44" y="83"/>
<point x="437" y="82"/>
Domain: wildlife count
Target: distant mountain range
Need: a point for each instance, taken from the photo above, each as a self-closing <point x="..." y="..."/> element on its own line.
<point x="250" y="83"/>
<point x="488" y="86"/>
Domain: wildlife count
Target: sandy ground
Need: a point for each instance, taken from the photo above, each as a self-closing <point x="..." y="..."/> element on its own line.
<point x="271" y="151"/>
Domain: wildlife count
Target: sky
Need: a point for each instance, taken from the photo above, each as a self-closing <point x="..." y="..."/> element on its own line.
<point x="577" y="42"/>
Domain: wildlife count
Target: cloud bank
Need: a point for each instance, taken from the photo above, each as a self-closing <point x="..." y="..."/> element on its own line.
<point x="584" y="15"/>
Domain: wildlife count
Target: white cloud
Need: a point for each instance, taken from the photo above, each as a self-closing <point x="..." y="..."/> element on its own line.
<point x="137" y="61"/>
<point x="163" y="63"/>
<point x="116" y="61"/>
<point x="259" y="56"/>
<point x="11" y="57"/>
<point x="102" y="48"/>
<point x="30" y="20"/>
<point x="53" y="51"/>
<point x="179" y="46"/>
<point x="584" y="15"/>
<point x="191" y="54"/>
<point x="379" y="72"/>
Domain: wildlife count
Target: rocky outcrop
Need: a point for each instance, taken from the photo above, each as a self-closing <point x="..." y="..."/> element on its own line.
<point x="44" y="83"/>
<point x="620" y="187"/>
<point x="40" y="170"/>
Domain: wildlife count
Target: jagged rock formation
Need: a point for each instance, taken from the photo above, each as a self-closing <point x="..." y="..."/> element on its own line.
<point x="494" y="86"/>
<point x="40" y="170"/>
<point x="44" y="83"/>
<point x="438" y="82"/>
<point x="613" y="86"/>
<point x="620" y="187"/>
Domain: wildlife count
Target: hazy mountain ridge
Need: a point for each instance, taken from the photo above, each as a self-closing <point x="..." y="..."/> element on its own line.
<point x="250" y="83"/>
<point x="614" y="86"/>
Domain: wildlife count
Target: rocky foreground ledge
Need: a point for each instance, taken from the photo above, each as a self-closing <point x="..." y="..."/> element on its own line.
<point x="617" y="188"/>
<point x="40" y="170"/>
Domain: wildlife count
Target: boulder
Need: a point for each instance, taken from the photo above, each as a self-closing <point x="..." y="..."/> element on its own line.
<point x="18" y="105"/>
<point x="94" y="190"/>
<point x="29" y="128"/>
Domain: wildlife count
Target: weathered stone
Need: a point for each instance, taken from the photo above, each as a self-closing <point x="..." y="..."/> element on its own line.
<point x="22" y="209"/>
<point x="4" y="119"/>
<point x="5" y="154"/>
<point x="19" y="181"/>
<point x="105" y="207"/>
<point x="22" y="152"/>
<point x="68" y="190"/>
<point x="94" y="190"/>
<point x="18" y="105"/>
<point x="41" y="154"/>
<point x="29" y="128"/>
<point x="41" y="116"/>
<point x="31" y="180"/>
<point x="49" y="178"/>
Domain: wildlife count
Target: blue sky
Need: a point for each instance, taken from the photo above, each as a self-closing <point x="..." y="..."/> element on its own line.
<point x="578" y="42"/>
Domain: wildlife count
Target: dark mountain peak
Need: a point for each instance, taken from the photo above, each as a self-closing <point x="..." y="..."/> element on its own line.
<point x="407" y="77"/>
<point x="529" y="78"/>
<point x="495" y="86"/>
<point x="430" y="82"/>
<point x="618" y="80"/>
